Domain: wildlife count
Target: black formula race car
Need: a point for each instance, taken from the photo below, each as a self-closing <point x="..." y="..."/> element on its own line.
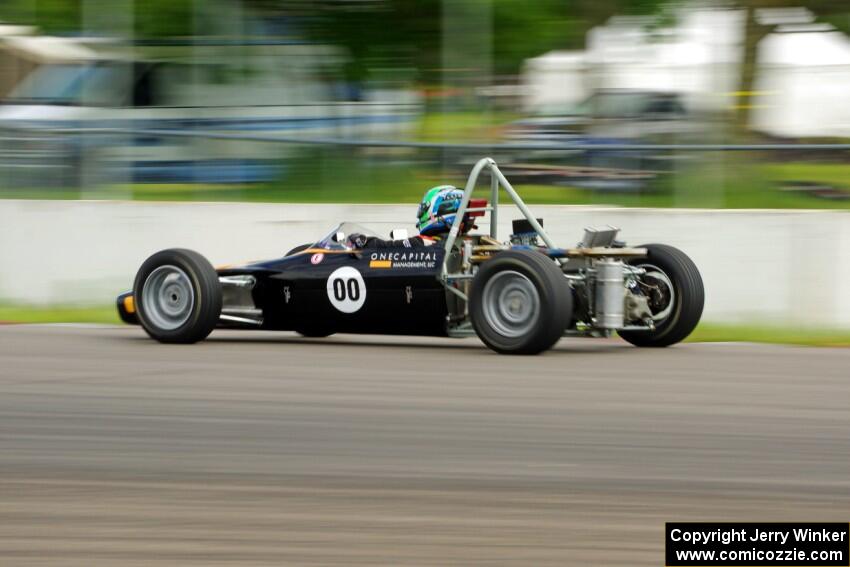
<point x="518" y="296"/>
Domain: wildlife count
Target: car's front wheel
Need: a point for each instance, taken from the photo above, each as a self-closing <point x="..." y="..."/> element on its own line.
<point x="520" y="302"/>
<point x="177" y="296"/>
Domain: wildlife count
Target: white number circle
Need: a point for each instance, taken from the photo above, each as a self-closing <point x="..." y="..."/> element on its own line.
<point x="346" y="289"/>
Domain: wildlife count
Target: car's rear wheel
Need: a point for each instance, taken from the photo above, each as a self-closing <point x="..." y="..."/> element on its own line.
<point x="177" y="296"/>
<point x="520" y="303"/>
<point x="675" y="293"/>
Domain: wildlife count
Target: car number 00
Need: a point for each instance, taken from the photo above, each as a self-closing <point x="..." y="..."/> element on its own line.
<point x="342" y="286"/>
<point x="346" y="289"/>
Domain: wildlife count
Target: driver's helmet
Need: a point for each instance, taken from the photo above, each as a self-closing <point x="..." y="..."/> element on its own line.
<point x="437" y="210"/>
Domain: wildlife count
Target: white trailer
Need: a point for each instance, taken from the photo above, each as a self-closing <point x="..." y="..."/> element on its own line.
<point x="802" y="80"/>
<point x="234" y="88"/>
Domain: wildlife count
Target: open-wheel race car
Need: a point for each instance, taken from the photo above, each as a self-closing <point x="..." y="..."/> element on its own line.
<point x="518" y="296"/>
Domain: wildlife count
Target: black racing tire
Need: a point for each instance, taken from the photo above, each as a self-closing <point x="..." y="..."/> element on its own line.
<point x="688" y="300"/>
<point x="537" y="289"/>
<point x="178" y="296"/>
<point x="297" y="249"/>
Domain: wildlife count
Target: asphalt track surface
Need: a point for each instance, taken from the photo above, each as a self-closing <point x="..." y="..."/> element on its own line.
<point x="270" y="449"/>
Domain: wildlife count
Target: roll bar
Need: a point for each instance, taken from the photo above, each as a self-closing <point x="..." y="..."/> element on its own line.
<point x="497" y="179"/>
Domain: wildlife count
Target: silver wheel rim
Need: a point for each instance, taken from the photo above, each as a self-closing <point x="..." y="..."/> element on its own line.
<point x="657" y="273"/>
<point x="511" y="304"/>
<point x="168" y="298"/>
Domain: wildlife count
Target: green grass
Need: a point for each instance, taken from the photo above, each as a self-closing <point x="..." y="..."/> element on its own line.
<point x="333" y="175"/>
<point x="58" y="314"/>
<point x="471" y="127"/>
<point x="706" y="332"/>
<point x="837" y="173"/>
<point x="756" y="185"/>
<point x="712" y="333"/>
<point x="349" y="180"/>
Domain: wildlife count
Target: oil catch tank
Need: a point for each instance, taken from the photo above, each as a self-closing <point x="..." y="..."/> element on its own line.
<point x="610" y="294"/>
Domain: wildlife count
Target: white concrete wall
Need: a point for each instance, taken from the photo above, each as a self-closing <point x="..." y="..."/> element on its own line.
<point x="782" y="267"/>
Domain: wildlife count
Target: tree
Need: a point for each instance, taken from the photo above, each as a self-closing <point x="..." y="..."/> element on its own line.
<point x="755" y="31"/>
<point x="151" y="18"/>
<point x="413" y="28"/>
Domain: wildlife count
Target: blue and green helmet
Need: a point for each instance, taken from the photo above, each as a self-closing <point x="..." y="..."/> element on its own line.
<point x="438" y="209"/>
